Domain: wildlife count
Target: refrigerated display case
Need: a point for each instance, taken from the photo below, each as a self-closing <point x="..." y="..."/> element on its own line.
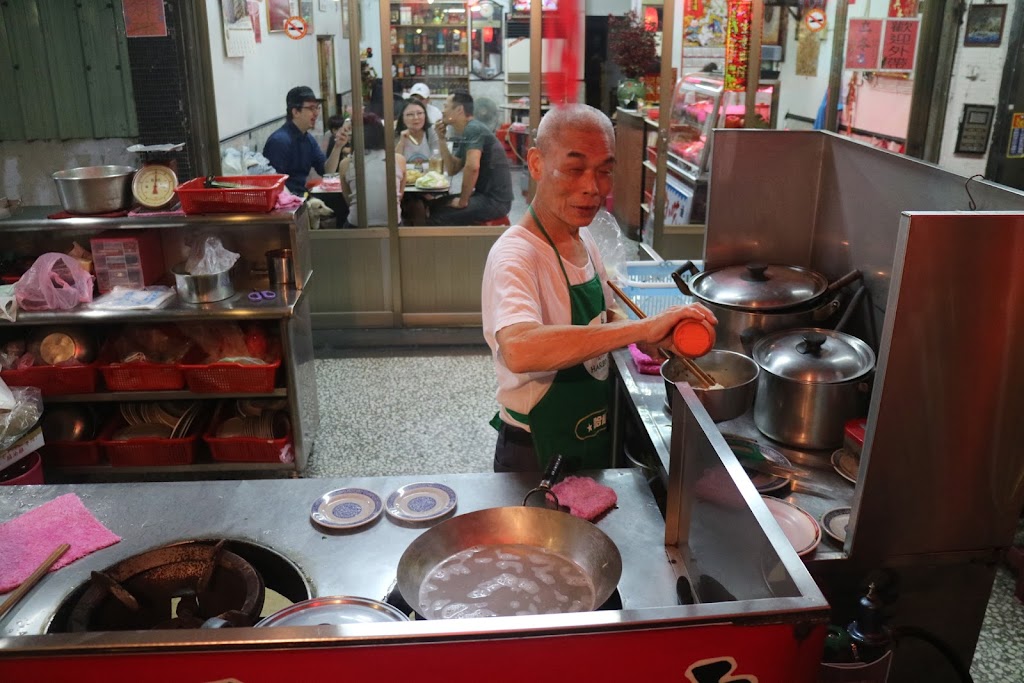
<point x="699" y="105"/>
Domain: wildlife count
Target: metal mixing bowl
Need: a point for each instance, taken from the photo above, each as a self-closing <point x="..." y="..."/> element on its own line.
<point x="735" y="372"/>
<point x="202" y="289"/>
<point x="95" y="189"/>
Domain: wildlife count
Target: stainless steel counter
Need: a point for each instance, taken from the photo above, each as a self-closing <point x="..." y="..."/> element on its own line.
<point x="275" y="514"/>
<point x="646" y="404"/>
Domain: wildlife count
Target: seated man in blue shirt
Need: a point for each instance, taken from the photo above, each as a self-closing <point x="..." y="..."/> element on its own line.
<point x="291" y="149"/>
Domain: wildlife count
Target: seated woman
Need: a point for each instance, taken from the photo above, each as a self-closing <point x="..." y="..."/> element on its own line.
<point x="373" y="161"/>
<point x="416" y="135"/>
<point x="416" y="141"/>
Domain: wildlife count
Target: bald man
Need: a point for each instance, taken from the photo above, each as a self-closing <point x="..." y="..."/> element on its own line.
<point x="548" y="315"/>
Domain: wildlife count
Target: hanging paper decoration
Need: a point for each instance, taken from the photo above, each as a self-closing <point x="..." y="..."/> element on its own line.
<point x="651" y="18"/>
<point x="563" y="67"/>
<point x="737" y="44"/>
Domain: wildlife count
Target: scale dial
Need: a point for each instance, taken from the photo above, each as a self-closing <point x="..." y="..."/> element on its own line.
<point x="154" y="185"/>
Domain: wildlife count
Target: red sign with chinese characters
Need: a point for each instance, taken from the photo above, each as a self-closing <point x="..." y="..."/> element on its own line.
<point x="737" y="44"/>
<point x="863" y="43"/>
<point x="899" y="47"/>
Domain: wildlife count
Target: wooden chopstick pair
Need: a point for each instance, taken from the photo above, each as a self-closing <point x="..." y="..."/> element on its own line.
<point x="694" y="369"/>
<point x="33" y="578"/>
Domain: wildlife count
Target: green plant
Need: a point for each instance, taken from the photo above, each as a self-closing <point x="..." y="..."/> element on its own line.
<point x="631" y="45"/>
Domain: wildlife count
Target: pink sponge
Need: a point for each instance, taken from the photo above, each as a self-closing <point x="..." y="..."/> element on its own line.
<point x="584" y="497"/>
<point x="29" y="539"/>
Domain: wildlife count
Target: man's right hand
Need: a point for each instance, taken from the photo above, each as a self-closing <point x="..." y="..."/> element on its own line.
<point x="441" y="128"/>
<point x="660" y="327"/>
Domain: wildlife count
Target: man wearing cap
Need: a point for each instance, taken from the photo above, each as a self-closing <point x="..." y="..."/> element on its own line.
<point x="419" y="92"/>
<point x="486" y="180"/>
<point x="291" y="149"/>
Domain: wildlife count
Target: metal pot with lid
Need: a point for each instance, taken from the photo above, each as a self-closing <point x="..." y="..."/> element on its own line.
<point x="812" y="381"/>
<point x="755" y="299"/>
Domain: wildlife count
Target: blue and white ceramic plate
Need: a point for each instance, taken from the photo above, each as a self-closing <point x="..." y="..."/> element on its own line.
<point x="421" y="502"/>
<point x="346" y="508"/>
<point x="836" y="523"/>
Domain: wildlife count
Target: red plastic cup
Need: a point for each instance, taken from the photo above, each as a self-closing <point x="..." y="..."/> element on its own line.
<point x="693" y="338"/>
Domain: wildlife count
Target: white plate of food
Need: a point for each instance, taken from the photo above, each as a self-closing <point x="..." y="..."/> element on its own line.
<point x="432" y="180"/>
<point x="346" y="508"/>
<point x="800" y="528"/>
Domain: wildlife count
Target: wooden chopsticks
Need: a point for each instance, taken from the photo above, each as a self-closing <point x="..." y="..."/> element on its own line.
<point x="33" y="578"/>
<point x="694" y="369"/>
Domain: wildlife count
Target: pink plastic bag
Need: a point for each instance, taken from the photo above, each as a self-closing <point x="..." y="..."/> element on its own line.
<point x="55" y="282"/>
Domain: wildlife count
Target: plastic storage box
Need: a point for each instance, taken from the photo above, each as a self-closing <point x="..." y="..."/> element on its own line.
<point x="127" y="258"/>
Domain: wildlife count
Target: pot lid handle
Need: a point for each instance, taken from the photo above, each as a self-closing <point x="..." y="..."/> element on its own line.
<point x="812" y="343"/>
<point x="756" y="272"/>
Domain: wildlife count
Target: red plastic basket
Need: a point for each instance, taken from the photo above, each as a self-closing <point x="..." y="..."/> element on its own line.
<point x="231" y="378"/>
<point x="54" y="380"/>
<point x="71" y="453"/>
<point x="195" y="198"/>
<point x="142" y="376"/>
<point x="247" y="449"/>
<point x="148" y="452"/>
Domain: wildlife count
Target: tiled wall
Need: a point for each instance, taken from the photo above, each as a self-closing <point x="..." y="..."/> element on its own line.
<point x="977" y="75"/>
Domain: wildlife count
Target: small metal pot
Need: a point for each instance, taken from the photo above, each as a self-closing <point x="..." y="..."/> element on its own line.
<point x="202" y="289"/>
<point x="735" y="372"/>
<point x="95" y="189"/>
<point x="812" y="381"/>
<point x="753" y="300"/>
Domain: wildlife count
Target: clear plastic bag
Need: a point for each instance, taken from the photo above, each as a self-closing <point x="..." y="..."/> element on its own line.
<point x="8" y="303"/>
<point x="616" y="249"/>
<point x="209" y="257"/>
<point x="55" y="282"/>
<point x="28" y="408"/>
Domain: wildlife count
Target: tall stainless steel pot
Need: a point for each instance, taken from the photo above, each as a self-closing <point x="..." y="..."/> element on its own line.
<point x="753" y="300"/>
<point x="812" y="381"/>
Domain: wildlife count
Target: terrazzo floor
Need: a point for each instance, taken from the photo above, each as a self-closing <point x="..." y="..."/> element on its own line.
<point x="425" y="411"/>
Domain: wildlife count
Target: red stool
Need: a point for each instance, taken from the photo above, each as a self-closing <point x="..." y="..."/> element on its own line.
<point x="501" y="220"/>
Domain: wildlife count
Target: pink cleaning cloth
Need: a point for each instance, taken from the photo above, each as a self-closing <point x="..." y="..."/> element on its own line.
<point x="584" y="497"/>
<point x="644" y="363"/>
<point x="27" y="540"/>
<point x="286" y="200"/>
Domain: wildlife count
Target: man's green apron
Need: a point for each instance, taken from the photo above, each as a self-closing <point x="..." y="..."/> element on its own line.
<point x="572" y="417"/>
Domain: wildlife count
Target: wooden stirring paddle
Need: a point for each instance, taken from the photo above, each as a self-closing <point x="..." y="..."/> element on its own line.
<point x="702" y="377"/>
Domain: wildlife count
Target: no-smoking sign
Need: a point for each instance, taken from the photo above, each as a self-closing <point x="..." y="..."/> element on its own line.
<point x="296" y="27"/>
<point x="814" y="20"/>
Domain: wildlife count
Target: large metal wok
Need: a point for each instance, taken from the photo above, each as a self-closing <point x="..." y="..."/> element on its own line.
<point x="558" y="532"/>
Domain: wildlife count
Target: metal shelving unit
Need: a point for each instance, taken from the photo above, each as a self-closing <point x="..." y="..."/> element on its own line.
<point x="30" y="231"/>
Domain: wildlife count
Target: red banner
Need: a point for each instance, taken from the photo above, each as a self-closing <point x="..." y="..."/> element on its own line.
<point x="737" y="44"/>
<point x="903" y="9"/>
<point x="564" y="25"/>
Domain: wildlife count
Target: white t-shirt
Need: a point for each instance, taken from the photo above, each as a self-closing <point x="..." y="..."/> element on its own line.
<point x="523" y="283"/>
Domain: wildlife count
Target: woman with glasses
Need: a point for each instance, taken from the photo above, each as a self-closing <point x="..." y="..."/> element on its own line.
<point x="416" y="135"/>
<point x="292" y="149"/>
<point x="374" y="168"/>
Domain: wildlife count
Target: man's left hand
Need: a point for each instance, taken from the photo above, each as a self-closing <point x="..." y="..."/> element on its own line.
<point x="457" y="203"/>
